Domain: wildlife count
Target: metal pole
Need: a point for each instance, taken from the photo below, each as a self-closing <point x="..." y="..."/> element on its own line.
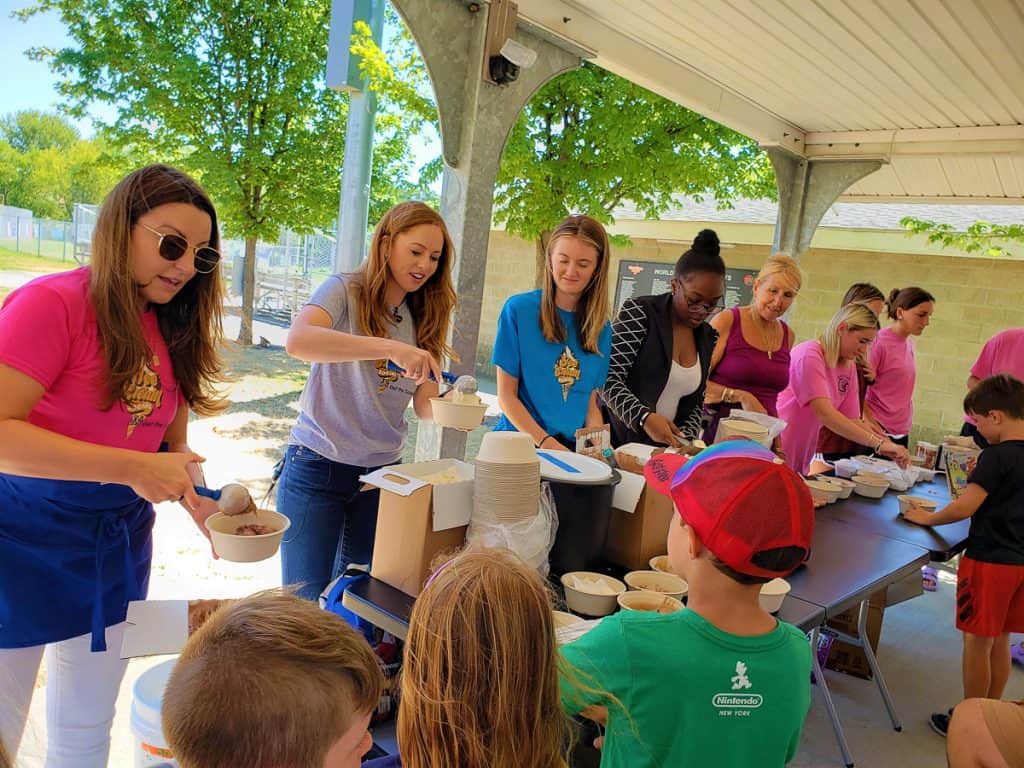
<point x="356" y="173"/>
<point x="17" y="233"/>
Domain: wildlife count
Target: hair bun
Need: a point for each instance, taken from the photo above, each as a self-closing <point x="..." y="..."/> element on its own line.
<point x="706" y="241"/>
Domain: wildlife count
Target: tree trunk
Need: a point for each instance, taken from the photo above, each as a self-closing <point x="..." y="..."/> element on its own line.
<point x="248" y="292"/>
<point x="541" y="251"/>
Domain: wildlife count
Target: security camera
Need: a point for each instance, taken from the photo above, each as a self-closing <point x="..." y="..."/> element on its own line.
<point x="504" y="68"/>
<point x="519" y="54"/>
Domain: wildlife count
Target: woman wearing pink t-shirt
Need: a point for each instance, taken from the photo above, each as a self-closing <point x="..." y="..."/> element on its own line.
<point x="99" y="368"/>
<point x="1003" y="353"/>
<point x="822" y="390"/>
<point x="889" y="402"/>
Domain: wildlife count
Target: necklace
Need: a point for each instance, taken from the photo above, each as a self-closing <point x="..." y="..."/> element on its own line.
<point x="769" y="341"/>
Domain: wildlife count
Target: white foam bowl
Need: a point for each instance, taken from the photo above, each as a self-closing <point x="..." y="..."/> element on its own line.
<point x="906" y="502"/>
<point x="656" y="581"/>
<point x="507" y="448"/>
<point x="772" y="594"/>
<point x="823" y="491"/>
<point x="642" y="600"/>
<point x="660" y="563"/>
<point x="448" y="413"/>
<point x="246" y="549"/>
<point x="591" y="603"/>
<point x="871" y="487"/>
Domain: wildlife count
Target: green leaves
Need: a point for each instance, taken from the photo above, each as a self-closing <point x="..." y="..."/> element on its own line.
<point x="980" y="237"/>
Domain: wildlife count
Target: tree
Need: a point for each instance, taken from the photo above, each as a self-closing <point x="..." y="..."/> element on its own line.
<point x="590" y="140"/>
<point x="32" y="129"/>
<point x="981" y="237"/>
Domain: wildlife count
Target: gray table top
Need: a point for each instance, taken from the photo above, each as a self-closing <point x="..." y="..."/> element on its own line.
<point x="847" y="565"/>
<point x="800" y="613"/>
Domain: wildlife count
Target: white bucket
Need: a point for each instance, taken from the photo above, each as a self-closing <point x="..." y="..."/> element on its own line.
<point x="147" y="695"/>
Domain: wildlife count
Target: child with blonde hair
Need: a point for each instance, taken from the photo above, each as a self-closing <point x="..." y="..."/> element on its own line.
<point x="480" y="679"/>
<point x="272" y="680"/>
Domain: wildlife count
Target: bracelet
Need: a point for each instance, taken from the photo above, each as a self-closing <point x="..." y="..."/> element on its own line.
<point x="541" y="441"/>
<point x="728" y="394"/>
<point x="881" y="442"/>
<point x="643" y="419"/>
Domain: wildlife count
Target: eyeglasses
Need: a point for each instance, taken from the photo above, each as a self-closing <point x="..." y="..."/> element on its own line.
<point x="172" y="247"/>
<point x="698" y="306"/>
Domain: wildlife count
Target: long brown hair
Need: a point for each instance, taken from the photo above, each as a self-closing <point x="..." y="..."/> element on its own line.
<point x="190" y="322"/>
<point x="480" y="683"/>
<point x="593" y="310"/>
<point x="431" y="306"/>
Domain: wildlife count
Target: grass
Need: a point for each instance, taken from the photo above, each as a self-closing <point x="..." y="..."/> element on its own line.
<point x="29" y="262"/>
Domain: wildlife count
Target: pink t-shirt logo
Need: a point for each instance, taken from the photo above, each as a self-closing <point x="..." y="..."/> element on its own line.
<point x="145" y="395"/>
<point x="843" y="384"/>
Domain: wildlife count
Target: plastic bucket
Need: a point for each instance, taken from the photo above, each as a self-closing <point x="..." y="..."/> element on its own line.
<point x="584" y="511"/>
<point x="147" y="695"/>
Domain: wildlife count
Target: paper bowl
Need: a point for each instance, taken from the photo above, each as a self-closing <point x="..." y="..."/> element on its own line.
<point x="655" y="581"/>
<point x="246" y="549"/>
<point x="507" y="448"/>
<point x="823" y="491"/>
<point x="742" y="428"/>
<point x="655" y="602"/>
<point x="871" y="487"/>
<point x="772" y="594"/>
<point x="872" y="476"/>
<point x="564" y="619"/>
<point x="845" y="486"/>
<point x="661" y="564"/>
<point x="457" y="415"/>
<point x="906" y="502"/>
<point x="590" y="603"/>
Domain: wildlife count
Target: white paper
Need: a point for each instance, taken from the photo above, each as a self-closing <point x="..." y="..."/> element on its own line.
<point x="627" y="492"/>
<point x="155" y="627"/>
<point x="774" y="425"/>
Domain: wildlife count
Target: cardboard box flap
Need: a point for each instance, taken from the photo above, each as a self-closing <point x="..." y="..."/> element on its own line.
<point x="452" y="501"/>
<point x="627" y="492"/>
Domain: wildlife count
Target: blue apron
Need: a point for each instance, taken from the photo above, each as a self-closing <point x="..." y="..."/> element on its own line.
<point x="72" y="554"/>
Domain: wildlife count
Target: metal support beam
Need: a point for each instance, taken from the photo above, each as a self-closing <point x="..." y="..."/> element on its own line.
<point x="476" y="119"/>
<point x="807" y="188"/>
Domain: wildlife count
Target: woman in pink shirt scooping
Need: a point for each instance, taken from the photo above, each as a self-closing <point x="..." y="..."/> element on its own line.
<point x="822" y="390"/>
<point x="890" y="400"/>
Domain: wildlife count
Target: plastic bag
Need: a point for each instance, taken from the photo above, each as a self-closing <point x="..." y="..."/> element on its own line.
<point x="531" y="539"/>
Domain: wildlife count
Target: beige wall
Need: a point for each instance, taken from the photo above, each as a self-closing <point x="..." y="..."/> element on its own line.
<point x="976" y="298"/>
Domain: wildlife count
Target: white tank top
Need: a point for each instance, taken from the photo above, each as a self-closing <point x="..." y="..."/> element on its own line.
<point x="682" y="381"/>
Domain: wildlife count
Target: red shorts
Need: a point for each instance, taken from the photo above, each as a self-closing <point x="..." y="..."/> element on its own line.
<point x="989" y="598"/>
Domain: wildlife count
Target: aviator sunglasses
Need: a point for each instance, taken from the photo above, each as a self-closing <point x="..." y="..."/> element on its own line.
<point x="172" y="247"/>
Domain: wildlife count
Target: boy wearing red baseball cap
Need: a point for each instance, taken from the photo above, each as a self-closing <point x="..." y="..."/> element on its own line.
<point x="723" y="682"/>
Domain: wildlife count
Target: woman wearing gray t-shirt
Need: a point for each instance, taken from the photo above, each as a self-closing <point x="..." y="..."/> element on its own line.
<point x="396" y="307"/>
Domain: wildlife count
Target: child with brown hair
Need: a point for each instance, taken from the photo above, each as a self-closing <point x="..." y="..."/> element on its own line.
<point x="722" y="683"/>
<point x="272" y="680"/>
<point x="481" y="671"/>
<point x="990" y="579"/>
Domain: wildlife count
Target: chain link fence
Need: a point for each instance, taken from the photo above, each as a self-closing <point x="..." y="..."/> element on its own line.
<point x="287" y="271"/>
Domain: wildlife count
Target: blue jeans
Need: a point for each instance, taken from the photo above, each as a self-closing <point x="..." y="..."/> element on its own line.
<point x="332" y="522"/>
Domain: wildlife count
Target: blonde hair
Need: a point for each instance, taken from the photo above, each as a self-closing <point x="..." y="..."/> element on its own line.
<point x="431" y="306"/>
<point x="857" y="317"/>
<point x="783" y="265"/>
<point x="269" y="680"/>
<point x="190" y="322"/>
<point x="480" y="684"/>
<point x="594" y="309"/>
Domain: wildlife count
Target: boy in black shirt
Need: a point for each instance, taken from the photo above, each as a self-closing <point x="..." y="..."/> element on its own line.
<point x="990" y="581"/>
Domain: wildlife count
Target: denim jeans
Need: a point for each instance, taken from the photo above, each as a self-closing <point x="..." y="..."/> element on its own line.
<point x="332" y="522"/>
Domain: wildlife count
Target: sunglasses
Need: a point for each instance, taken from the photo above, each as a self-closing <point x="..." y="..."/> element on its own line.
<point x="172" y="247"/>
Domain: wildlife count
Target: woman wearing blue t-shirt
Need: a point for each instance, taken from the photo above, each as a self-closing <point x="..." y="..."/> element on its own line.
<point x="553" y="343"/>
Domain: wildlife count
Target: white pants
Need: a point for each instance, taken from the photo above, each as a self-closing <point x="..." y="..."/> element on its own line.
<point x="81" y="691"/>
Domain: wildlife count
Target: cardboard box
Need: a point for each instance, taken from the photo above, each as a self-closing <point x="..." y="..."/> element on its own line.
<point x="418" y="519"/>
<point x="638" y="528"/>
<point x="850" y="659"/>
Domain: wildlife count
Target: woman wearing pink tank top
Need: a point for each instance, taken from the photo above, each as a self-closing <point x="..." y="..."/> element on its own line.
<point x="750" y="364"/>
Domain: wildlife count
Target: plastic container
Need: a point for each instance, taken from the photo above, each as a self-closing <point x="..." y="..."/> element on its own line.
<point x="448" y="413"/>
<point x="591" y="603"/>
<point x="246" y="549"/>
<point x="147" y="695"/>
<point x="772" y="594"/>
<point x="584" y="511"/>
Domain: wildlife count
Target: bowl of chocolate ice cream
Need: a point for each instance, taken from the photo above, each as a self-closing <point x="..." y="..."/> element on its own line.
<point x="249" y="537"/>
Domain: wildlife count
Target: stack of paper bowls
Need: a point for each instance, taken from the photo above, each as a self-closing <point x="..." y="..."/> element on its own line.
<point x="507" y="484"/>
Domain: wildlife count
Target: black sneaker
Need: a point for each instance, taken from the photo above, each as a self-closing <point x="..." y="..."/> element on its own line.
<point x="940" y="722"/>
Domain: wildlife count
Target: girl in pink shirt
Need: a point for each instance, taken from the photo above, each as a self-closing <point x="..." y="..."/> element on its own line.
<point x="99" y="368"/>
<point x="822" y="390"/>
<point x="890" y="400"/>
<point x="1003" y="353"/>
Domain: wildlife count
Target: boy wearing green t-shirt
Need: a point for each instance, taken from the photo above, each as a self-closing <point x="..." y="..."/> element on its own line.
<point x="721" y="683"/>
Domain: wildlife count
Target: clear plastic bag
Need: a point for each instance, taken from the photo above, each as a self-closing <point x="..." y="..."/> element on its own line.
<point x="531" y="538"/>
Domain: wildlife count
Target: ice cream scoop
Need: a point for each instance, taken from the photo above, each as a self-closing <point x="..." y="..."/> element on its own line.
<point x="232" y="499"/>
<point x="464" y="391"/>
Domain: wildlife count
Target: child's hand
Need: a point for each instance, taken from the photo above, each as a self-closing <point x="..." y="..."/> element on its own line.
<point x="918" y="515"/>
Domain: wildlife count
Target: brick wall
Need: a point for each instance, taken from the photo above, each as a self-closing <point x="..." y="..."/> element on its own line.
<point x="975" y="298"/>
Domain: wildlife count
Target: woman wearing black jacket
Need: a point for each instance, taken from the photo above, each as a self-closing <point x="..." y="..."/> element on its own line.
<point x="661" y="352"/>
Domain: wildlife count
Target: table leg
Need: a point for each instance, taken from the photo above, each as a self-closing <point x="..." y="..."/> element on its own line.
<point x="830" y="707"/>
<point x="862" y="631"/>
